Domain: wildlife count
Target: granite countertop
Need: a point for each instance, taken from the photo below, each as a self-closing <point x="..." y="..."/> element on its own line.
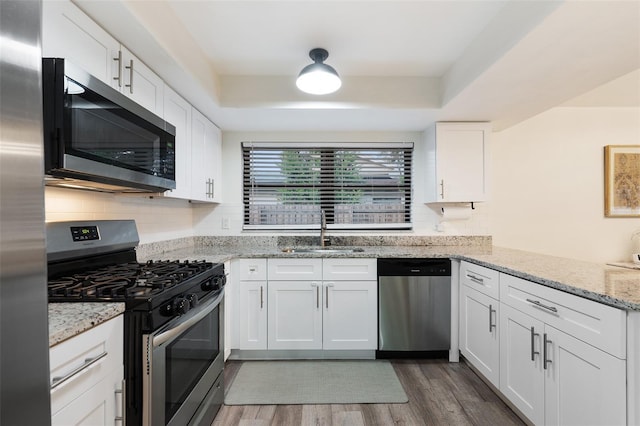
<point x="69" y="319"/>
<point x="611" y="285"/>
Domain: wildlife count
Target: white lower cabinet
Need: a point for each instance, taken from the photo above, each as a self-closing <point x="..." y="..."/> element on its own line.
<point x="253" y="315"/>
<point x="556" y="379"/>
<point x="558" y="358"/>
<point x="87" y="377"/>
<point x="349" y="318"/>
<point x="95" y="407"/>
<point x="479" y="335"/>
<point x="285" y="304"/>
<point x="583" y="385"/>
<point x="562" y="357"/>
<point x="521" y="373"/>
<point x="294" y="315"/>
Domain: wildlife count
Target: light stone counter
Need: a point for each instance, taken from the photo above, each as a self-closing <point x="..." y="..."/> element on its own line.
<point x="611" y="285"/>
<point x="69" y="319"/>
<point x="614" y="286"/>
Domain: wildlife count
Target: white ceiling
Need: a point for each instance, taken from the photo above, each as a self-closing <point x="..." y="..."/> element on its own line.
<point x="404" y="64"/>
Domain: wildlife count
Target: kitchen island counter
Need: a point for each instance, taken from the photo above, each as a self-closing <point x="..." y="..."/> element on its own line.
<point x="70" y="319"/>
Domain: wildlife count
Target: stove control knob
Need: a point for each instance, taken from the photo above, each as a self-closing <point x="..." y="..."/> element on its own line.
<point x="213" y="284"/>
<point x="193" y="300"/>
<point x="180" y="305"/>
<point x="219" y="282"/>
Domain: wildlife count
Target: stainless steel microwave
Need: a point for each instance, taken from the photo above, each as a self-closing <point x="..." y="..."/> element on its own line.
<point x="97" y="138"/>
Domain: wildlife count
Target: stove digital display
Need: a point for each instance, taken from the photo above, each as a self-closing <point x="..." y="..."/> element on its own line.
<point x="84" y="233"/>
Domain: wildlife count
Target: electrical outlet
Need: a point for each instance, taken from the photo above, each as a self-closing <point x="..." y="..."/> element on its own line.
<point x="225" y="223"/>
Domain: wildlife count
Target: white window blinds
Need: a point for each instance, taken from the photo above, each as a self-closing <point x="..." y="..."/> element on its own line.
<point x="359" y="186"/>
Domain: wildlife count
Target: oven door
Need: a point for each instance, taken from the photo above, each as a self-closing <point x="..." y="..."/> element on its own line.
<point x="183" y="368"/>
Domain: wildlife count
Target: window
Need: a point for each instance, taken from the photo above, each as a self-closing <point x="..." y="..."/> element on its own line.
<point x="359" y="186"/>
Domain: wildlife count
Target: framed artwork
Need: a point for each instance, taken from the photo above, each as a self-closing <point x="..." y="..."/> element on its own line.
<point x="622" y="181"/>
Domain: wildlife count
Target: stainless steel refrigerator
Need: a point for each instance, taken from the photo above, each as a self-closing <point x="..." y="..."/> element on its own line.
<point x="24" y="348"/>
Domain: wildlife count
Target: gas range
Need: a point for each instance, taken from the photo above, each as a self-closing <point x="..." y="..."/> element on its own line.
<point x="95" y="261"/>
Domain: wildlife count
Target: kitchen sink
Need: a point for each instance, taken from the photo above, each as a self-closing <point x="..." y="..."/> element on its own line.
<point x="322" y="250"/>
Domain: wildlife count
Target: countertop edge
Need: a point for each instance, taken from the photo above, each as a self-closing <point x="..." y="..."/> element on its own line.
<point x="67" y="320"/>
<point x="577" y="291"/>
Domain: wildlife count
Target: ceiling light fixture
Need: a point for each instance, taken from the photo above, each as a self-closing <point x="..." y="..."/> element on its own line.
<point x="318" y="78"/>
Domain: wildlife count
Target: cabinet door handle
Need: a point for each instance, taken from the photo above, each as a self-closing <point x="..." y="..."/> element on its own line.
<point x="261" y="298"/>
<point x="119" y="61"/>
<point x="57" y="381"/>
<point x="533" y="352"/>
<point x="212" y="187"/>
<point x="545" y="355"/>
<point x="442" y="189"/>
<point x="491" y="324"/>
<point x="327" y="293"/>
<point x="326" y="299"/>
<point x="543" y="306"/>
<point x="317" y="294"/>
<point x="123" y="396"/>
<point x="130" y="85"/>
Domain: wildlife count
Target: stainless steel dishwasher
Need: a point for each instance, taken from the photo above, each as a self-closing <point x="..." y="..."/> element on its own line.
<point x="414" y="307"/>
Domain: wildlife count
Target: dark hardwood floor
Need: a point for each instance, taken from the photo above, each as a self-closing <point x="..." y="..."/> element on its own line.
<point x="440" y="393"/>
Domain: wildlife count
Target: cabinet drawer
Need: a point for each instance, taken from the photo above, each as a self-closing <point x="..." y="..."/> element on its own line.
<point x="295" y="269"/>
<point x="599" y="325"/>
<point x="73" y="359"/>
<point x="478" y="277"/>
<point x="251" y="269"/>
<point x="349" y="270"/>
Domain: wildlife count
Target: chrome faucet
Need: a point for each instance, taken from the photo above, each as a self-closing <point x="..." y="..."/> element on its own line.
<point x="323" y="228"/>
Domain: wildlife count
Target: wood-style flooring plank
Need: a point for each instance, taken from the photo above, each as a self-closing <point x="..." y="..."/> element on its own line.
<point x="376" y="414"/>
<point x="440" y="393"/>
<point x="346" y="415"/>
<point x="316" y="415"/>
<point x="287" y="415"/>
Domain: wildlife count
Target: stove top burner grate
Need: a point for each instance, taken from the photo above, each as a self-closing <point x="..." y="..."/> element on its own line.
<point x="125" y="281"/>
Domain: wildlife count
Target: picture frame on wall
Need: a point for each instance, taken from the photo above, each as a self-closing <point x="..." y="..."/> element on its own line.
<point x="622" y="181"/>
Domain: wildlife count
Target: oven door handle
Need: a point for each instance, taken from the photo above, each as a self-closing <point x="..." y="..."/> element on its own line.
<point x="186" y="323"/>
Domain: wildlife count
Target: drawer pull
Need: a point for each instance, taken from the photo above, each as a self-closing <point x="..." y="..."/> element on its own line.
<point x="475" y="279"/>
<point x="57" y="381"/>
<point x="545" y="359"/>
<point x="533" y="352"/>
<point x="543" y="306"/>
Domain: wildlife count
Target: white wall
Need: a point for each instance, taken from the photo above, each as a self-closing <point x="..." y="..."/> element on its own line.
<point x="210" y="221"/>
<point x="157" y="219"/>
<point x="548" y="183"/>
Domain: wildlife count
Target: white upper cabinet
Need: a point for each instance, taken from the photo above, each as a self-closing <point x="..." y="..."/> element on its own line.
<point x="205" y="159"/>
<point x="198" y="151"/>
<point x="177" y="111"/>
<point x="138" y="82"/>
<point x="69" y="33"/>
<point x="456" y="166"/>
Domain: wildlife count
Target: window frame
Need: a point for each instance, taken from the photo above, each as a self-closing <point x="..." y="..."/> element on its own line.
<point x="403" y="191"/>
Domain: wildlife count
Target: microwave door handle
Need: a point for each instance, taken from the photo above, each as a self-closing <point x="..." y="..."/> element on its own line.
<point x="185" y="323"/>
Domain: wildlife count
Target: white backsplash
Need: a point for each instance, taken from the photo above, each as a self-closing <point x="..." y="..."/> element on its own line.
<point x="157" y="219"/>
